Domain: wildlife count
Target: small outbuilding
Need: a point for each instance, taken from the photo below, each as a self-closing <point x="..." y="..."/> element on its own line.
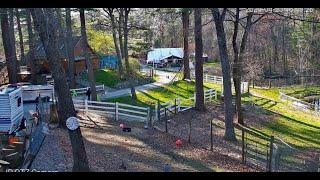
<point x="80" y="66"/>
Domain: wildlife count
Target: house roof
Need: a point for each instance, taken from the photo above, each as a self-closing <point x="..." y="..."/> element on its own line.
<point x="158" y="54"/>
<point x="40" y="53"/>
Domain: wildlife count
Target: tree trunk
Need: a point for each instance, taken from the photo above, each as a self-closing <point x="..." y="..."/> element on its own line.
<point x="125" y="40"/>
<point x="46" y="26"/>
<point x="87" y="56"/>
<point x="284" y="51"/>
<point x="9" y="46"/>
<point x="114" y="35"/>
<point x="238" y="60"/>
<point x="199" y="60"/>
<point x="70" y="49"/>
<point x="236" y="68"/>
<point x="185" y="24"/>
<point x="22" y="59"/>
<point x="120" y="30"/>
<point x="239" y="67"/>
<point x="222" y="43"/>
<point x="130" y="72"/>
<point x="31" y="48"/>
<point x="59" y="20"/>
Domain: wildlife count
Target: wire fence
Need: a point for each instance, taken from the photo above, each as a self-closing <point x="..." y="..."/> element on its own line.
<point x="271" y="153"/>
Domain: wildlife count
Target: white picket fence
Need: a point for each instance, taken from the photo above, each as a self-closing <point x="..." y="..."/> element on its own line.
<point x="84" y="90"/>
<point x="177" y="105"/>
<point x="214" y="79"/>
<point x="116" y="110"/>
<point x="219" y="80"/>
<point x="297" y="103"/>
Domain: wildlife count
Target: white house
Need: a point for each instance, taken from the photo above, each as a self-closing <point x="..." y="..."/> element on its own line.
<point x="165" y="55"/>
<point x="169" y="55"/>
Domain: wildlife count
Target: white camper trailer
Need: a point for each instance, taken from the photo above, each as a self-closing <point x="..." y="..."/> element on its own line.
<point x="11" y="109"/>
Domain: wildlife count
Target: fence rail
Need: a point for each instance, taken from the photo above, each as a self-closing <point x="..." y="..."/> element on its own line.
<point x="297" y="103"/>
<point x="271" y="153"/>
<point x="177" y="105"/>
<point x="256" y="148"/>
<point x="219" y="80"/>
<point x="84" y="90"/>
<point x="117" y="110"/>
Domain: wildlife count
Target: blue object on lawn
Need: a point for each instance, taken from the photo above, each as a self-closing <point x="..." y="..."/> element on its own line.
<point x="109" y="61"/>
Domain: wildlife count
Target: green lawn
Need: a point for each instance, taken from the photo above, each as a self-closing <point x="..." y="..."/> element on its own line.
<point x="107" y="77"/>
<point x="211" y="64"/>
<point x="178" y="89"/>
<point x="110" y="78"/>
<point x="295" y="127"/>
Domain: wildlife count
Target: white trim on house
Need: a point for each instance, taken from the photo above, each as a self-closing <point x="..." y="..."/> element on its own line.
<point x="158" y="55"/>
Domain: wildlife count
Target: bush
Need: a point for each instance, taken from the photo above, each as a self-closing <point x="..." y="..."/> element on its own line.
<point x="133" y="63"/>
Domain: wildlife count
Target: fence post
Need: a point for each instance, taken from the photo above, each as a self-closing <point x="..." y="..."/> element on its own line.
<point x="271" y="153"/>
<point x="175" y="106"/>
<point x="194" y="102"/>
<point x="86" y="105"/>
<point x="149" y="118"/>
<point x="116" y="111"/>
<point x="158" y="111"/>
<point x="215" y="95"/>
<point x="243" y="145"/>
<point x="211" y="136"/>
<point x="206" y="77"/>
<point x="179" y="104"/>
<point x="165" y="118"/>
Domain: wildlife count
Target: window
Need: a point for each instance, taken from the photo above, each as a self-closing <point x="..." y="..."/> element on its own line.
<point x="19" y="101"/>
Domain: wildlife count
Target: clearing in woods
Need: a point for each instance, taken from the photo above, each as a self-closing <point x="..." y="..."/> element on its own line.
<point x="110" y="149"/>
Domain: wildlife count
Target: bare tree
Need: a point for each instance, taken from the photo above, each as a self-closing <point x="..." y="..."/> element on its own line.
<point x="125" y="39"/>
<point x="120" y="30"/>
<point x="46" y="25"/>
<point x="238" y="58"/>
<point x="225" y="64"/>
<point x="31" y="47"/>
<point x="110" y="12"/>
<point x="185" y="24"/>
<point x="70" y="49"/>
<point x="20" y="35"/>
<point x="9" y="45"/>
<point x="199" y="60"/>
<point x="85" y="46"/>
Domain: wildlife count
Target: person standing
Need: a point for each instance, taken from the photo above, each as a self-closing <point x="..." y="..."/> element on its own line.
<point x="88" y="93"/>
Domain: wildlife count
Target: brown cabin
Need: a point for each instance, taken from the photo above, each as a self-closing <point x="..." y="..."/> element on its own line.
<point x="79" y="59"/>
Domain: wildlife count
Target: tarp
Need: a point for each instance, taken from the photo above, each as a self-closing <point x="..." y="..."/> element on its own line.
<point x="158" y="54"/>
<point x="109" y="61"/>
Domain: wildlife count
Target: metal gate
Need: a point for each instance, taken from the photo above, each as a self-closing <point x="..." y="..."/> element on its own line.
<point x="256" y="148"/>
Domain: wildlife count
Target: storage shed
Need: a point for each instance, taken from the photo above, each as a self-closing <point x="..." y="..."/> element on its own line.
<point x="11" y="109"/>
